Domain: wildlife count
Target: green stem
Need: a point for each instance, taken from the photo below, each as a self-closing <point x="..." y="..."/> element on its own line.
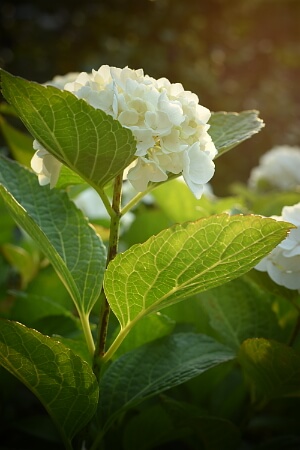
<point x="134" y="201"/>
<point x="105" y="201"/>
<point x="116" y="344"/>
<point x="140" y="195"/>
<point x="84" y="318"/>
<point x="102" y="333"/>
<point x="67" y="443"/>
<point x="120" y="337"/>
<point x="98" y="442"/>
<point x="112" y="251"/>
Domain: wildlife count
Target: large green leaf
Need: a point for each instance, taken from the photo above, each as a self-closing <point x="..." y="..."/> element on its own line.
<point x="87" y="140"/>
<point x="59" y="228"/>
<point x="272" y="368"/>
<point x="185" y="260"/>
<point x="155" y="367"/>
<point x="228" y="129"/>
<point x="240" y="310"/>
<point x="62" y="381"/>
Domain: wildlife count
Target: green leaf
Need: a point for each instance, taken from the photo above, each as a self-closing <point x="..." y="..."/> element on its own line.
<point x="60" y="230"/>
<point x="154" y="368"/>
<point x="26" y="263"/>
<point x="240" y="310"/>
<point x="149" y="429"/>
<point x="29" y="308"/>
<point x="272" y="368"/>
<point x="228" y="129"/>
<point x="146" y="330"/>
<point x="185" y="260"/>
<point x="47" y="283"/>
<point x="62" y="381"/>
<point x="7" y="110"/>
<point x="212" y="432"/>
<point x="174" y="193"/>
<point x="7" y="224"/>
<point x="20" y="144"/>
<point x="67" y="177"/>
<point x="147" y="222"/>
<point x="190" y="314"/>
<point x="86" y="140"/>
<point x="265" y="203"/>
<point x="283" y="303"/>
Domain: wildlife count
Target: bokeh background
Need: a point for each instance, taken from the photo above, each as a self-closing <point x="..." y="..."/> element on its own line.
<point x="235" y="54"/>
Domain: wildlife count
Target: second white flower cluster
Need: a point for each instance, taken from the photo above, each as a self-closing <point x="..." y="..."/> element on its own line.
<point x="283" y="263"/>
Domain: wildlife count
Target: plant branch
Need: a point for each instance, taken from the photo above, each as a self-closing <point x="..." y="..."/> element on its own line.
<point x="84" y="318"/>
<point x="140" y="195"/>
<point x="105" y="201"/>
<point x="112" y="251"/>
<point x="116" y="344"/>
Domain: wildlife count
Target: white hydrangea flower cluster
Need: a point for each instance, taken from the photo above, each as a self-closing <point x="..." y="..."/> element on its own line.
<point x="169" y="124"/>
<point x="283" y="263"/>
<point x="278" y="168"/>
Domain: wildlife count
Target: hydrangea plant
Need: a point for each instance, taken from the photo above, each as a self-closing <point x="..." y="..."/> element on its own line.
<point x="125" y="135"/>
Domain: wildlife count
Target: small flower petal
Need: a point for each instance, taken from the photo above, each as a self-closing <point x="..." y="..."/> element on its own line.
<point x="145" y="171"/>
<point x="198" y="169"/>
<point x="46" y="166"/>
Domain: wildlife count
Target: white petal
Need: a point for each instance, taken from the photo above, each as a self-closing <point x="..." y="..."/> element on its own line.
<point x="128" y="118"/>
<point x="292" y="213"/>
<point x="198" y="166"/>
<point x="47" y="167"/>
<point x="173" y="109"/>
<point x="172" y="162"/>
<point x="262" y="265"/>
<point x="196" y="189"/>
<point x="158" y="122"/>
<point x="144" y="139"/>
<point x="145" y="171"/>
<point x="37" y="163"/>
<point x="172" y="142"/>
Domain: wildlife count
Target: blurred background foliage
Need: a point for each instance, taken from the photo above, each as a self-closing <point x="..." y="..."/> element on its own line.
<point x="235" y="54"/>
